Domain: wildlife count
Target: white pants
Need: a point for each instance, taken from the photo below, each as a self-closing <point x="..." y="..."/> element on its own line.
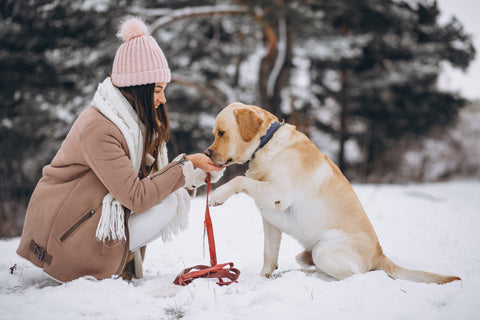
<point x="146" y="227"/>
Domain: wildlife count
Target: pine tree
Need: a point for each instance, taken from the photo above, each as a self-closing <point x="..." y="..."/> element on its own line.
<point x="53" y="55"/>
<point x="386" y="76"/>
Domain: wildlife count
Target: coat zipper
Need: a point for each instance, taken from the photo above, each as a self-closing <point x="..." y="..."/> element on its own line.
<point x="69" y="232"/>
<point x="159" y="173"/>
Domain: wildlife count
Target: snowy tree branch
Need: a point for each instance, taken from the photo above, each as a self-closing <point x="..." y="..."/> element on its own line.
<point x="194" y="12"/>
<point x="324" y="86"/>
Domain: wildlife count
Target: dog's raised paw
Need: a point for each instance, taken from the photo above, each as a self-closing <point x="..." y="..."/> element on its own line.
<point x="213" y="200"/>
<point x="212" y="203"/>
<point x="219" y="196"/>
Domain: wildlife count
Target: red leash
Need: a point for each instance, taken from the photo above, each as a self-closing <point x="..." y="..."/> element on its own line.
<point x="219" y="271"/>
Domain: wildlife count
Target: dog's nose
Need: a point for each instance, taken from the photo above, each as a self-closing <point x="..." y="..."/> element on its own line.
<point x="208" y="152"/>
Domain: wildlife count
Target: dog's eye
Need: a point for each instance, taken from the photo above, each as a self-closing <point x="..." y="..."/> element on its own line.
<point x="221" y="133"/>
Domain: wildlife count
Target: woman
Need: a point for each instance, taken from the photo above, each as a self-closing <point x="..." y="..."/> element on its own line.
<point x="110" y="189"/>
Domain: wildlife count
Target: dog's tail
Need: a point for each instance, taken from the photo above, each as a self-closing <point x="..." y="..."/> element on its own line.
<point x="397" y="272"/>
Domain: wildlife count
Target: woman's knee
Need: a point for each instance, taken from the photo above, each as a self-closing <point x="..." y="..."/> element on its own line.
<point x="145" y="227"/>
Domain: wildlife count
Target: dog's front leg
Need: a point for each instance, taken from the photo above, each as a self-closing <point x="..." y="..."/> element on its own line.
<point x="265" y="192"/>
<point x="271" y="247"/>
<point x="221" y="194"/>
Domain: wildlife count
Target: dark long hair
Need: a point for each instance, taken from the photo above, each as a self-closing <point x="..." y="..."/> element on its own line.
<point x="157" y="125"/>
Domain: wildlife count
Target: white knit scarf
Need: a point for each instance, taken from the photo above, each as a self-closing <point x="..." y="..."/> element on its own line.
<point x="115" y="107"/>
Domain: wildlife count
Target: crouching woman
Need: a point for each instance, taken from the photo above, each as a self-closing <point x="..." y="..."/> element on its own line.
<point x="110" y="190"/>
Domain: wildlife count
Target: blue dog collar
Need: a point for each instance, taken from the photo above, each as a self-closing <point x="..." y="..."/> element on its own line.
<point x="266" y="138"/>
<point x="270" y="132"/>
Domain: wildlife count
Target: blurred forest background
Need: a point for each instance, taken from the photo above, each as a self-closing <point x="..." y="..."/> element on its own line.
<point x="358" y="77"/>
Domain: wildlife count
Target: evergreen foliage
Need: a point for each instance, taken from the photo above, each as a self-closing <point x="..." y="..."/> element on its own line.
<point x="361" y="73"/>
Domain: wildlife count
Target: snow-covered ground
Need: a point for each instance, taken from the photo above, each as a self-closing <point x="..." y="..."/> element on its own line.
<point x="433" y="227"/>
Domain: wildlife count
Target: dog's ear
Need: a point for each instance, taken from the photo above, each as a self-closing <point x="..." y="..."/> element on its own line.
<point x="248" y="123"/>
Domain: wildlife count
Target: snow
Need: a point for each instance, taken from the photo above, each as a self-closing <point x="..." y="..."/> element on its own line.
<point x="431" y="227"/>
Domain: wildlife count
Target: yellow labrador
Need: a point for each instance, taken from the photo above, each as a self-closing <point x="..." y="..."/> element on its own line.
<point x="301" y="192"/>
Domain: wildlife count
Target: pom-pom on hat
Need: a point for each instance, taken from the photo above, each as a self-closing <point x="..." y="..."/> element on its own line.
<point x="139" y="60"/>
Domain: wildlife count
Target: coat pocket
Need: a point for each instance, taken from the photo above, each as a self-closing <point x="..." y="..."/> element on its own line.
<point x="70" y="231"/>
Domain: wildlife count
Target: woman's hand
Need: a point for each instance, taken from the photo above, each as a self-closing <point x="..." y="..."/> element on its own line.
<point x="203" y="162"/>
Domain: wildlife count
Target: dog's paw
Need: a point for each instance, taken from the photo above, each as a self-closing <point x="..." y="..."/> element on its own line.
<point x="267" y="271"/>
<point x="213" y="201"/>
<point x="219" y="196"/>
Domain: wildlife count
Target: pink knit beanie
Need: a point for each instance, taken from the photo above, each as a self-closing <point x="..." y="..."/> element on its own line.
<point x="139" y="60"/>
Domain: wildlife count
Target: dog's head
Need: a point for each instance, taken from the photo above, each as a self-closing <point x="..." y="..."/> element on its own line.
<point x="238" y="129"/>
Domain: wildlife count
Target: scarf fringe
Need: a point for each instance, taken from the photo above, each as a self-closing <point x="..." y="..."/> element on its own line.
<point x="112" y="221"/>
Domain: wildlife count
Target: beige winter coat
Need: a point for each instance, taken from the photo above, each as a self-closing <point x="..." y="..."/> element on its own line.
<point x="64" y="210"/>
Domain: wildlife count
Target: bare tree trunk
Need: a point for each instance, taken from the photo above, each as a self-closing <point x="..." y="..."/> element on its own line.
<point x="267" y="62"/>
<point x="275" y="66"/>
<point x="238" y="62"/>
<point x="281" y="73"/>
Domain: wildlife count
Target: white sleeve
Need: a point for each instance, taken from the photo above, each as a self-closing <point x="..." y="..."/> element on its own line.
<point x="188" y="171"/>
